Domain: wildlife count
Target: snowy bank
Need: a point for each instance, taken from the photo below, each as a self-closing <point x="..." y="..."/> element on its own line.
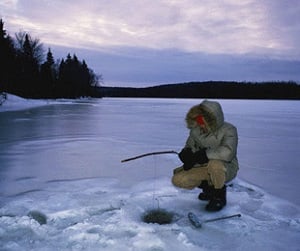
<point x="13" y="103"/>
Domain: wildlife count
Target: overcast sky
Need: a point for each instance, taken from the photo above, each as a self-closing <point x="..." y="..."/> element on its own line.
<point x="144" y="42"/>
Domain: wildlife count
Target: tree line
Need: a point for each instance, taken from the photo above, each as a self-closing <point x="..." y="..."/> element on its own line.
<point x="210" y="89"/>
<point x="25" y="72"/>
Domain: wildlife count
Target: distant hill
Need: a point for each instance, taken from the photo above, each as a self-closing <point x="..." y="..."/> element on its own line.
<point x="210" y="89"/>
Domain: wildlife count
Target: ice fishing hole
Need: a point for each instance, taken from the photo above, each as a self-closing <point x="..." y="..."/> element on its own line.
<point x="159" y="216"/>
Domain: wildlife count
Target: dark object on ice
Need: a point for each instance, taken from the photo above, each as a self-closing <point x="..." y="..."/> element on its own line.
<point x="159" y="216"/>
<point x="198" y="224"/>
<point x="38" y="216"/>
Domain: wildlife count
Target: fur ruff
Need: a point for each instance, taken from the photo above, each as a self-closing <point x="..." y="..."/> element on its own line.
<point x="210" y="110"/>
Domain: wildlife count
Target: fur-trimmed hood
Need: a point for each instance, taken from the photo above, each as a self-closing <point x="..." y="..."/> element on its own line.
<point x="210" y="110"/>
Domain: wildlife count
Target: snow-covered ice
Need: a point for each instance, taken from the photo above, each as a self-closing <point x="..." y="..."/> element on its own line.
<point x="62" y="159"/>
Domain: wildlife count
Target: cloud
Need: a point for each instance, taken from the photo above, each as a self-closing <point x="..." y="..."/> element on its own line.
<point x="233" y="27"/>
<point x="284" y="26"/>
<point x="165" y="41"/>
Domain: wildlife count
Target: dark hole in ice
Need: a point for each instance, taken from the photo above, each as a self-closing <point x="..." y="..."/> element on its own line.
<point x="38" y="216"/>
<point x="159" y="216"/>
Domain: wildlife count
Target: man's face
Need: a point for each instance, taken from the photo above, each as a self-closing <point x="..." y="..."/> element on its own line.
<point x="202" y="123"/>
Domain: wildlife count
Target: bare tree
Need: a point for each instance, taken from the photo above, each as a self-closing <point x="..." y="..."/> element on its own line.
<point x="34" y="44"/>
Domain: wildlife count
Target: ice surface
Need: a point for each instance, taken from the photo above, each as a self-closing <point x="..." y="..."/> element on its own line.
<point x="62" y="159"/>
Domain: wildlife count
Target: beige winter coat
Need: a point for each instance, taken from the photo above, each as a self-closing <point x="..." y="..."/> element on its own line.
<point x="221" y="139"/>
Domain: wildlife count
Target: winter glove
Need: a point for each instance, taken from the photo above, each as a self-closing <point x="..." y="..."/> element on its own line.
<point x="200" y="157"/>
<point x="187" y="157"/>
<point x="188" y="165"/>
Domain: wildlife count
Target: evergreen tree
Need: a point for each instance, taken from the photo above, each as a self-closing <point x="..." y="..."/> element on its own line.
<point x="29" y="57"/>
<point x="7" y="60"/>
<point x="48" y="76"/>
<point x="30" y="68"/>
<point x="67" y="77"/>
<point x="75" y="79"/>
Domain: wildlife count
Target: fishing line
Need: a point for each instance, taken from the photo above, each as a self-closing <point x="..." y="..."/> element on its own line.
<point x="154" y="197"/>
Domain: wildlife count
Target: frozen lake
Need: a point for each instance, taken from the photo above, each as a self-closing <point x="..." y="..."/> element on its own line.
<point x="62" y="160"/>
<point x="80" y="139"/>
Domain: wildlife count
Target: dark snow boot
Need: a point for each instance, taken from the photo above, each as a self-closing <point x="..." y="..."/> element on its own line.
<point x="218" y="200"/>
<point x="207" y="191"/>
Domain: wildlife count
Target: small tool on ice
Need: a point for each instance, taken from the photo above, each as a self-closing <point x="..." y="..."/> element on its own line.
<point x="148" y="154"/>
<point x="196" y="222"/>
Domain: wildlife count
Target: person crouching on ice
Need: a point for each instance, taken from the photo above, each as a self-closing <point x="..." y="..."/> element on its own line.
<point x="209" y="156"/>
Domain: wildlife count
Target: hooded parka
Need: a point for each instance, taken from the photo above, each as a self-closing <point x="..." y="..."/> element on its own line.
<point x="220" y="140"/>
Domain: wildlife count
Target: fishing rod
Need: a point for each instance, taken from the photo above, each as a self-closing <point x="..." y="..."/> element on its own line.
<point x="149" y="154"/>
